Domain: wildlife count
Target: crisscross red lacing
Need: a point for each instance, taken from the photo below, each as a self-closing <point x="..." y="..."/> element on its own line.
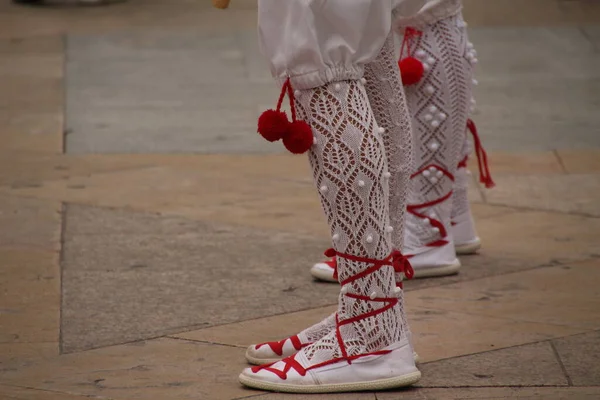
<point x="414" y="208"/>
<point x="482" y="162"/>
<point x="400" y="265"/>
<point x="277" y="347"/>
<point x="410" y="34"/>
<point x="399" y="262"/>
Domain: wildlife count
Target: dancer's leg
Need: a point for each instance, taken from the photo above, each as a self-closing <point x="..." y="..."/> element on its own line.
<point x="386" y="96"/>
<point x="439" y="105"/>
<point x="351" y="175"/>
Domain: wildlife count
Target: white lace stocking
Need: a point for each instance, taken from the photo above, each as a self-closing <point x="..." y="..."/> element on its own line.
<point x="349" y="166"/>
<point x="439" y="105"/>
<point x="460" y="200"/>
<point x="386" y="95"/>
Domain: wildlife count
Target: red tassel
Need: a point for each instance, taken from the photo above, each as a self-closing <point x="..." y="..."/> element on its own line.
<point x="274" y="125"/>
<point x="484" y="170"/>
<point x="411" y="69"/>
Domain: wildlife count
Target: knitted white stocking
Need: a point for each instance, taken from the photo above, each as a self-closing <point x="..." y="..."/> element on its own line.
<point x="439" y="106"/>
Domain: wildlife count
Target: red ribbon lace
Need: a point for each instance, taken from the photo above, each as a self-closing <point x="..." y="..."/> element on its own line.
<point x="277" y="347"/>
<point x="482" y="162"/>
<point x="410" y="33"/>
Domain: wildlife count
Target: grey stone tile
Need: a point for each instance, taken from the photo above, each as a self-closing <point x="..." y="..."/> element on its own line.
<point x="521" y="54"/>
<point x="538" y="88"/>
<point x="528" y="365"/>
<point x="128" y="276"/>
<point x="166" y="92"/>
<point x="539" y="113"/>
<point x="579" y="355"/>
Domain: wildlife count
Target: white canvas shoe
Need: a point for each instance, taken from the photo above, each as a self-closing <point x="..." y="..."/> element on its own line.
<point x="368" y="348"/>
<point x="389" y="368"/>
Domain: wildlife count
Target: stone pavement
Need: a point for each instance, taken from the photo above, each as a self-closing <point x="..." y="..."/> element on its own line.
<point x="147" y="235"/>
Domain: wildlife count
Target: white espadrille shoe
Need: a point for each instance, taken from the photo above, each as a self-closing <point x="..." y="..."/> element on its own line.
<point x="369" y="347"/>
<point x="389" y="368"/>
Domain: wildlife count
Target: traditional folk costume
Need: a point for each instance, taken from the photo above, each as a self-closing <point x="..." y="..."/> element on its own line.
<point x="354" y="183"/>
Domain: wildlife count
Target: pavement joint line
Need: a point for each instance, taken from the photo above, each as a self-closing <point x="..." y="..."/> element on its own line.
<point x="588" y="38"/>
<point x="254" y="395"/>
<point x="83" y="395"/>
<point x="5" y="191"/>
<point x="560" y="362"/>
<point x="531" y="209"/>
<point x="560" y="161"/>
<point x="63" y="87"/>
<point x="61" y="258"/>
<point x="206" y="342"/>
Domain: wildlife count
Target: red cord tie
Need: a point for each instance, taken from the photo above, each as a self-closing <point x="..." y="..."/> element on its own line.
<point x="413" y="208"/>
<point x="484" y="170"/>
<point x="411" y="69"/>
<point x="273" y="125"/>
<point x="395" y="260"/>
<point x="277" y="347"/>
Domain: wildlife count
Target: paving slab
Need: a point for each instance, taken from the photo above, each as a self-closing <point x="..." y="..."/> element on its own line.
<point x="186" y="275"/>
<point x="436" y="329"/>
<point x="528" y="365"/>
<point x="157" y="369"/>
<point x="558" y="295"/>
<point x="29" y="223"/>
<point x="14" y="355"/>
<point x="203" y="101"/>
<point x="579" y="354"/>
<point x="29" y="296"/>
<point x="533" y="237"/>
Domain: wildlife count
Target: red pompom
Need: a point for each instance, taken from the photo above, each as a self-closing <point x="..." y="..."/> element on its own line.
<point x="273" y="125"/>
<point x="299" y="137"/>
<point x="411" y="70"/>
